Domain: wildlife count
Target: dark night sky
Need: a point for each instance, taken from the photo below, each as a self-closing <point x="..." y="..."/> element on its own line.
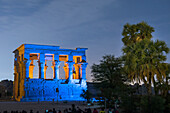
<point x="94" y="24"/>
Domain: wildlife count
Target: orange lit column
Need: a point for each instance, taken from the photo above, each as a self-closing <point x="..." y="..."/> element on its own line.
<point x="70" y="70"/>
<point x="77" y="69"/>
<point x="27" y="65"/>
<point x="45" y="70"/>
<point x="31" y="69"/>
<point x="41" y="65"/>
<point x="56" y="69"/>
<point x="66" y="71"/>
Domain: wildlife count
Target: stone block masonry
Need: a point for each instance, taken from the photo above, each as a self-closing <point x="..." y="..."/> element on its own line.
<point x="27" y="88"/>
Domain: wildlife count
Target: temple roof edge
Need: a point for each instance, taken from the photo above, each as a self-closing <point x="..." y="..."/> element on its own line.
<point x="81" y="49"/>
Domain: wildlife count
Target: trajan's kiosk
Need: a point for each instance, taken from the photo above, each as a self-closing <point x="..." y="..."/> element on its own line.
<point x="28" y="88"/>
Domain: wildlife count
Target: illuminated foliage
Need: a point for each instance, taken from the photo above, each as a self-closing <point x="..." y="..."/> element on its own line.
<point x="136" y="32"/>
<point x="144" y="59"/>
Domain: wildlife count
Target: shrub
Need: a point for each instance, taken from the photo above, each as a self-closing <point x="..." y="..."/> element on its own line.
<point x="156" y="104"/>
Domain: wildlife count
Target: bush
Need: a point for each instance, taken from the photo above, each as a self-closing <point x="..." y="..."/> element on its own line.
<point x="130" y="104"/>
<point x="156" y="104"/>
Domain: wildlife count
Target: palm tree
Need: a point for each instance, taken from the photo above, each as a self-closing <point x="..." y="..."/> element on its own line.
<point x="162" y="87"/>
<point x="136" y="32"/>
<point x="144" y="61"/>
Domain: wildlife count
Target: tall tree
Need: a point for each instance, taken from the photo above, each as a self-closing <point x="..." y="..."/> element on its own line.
<point x="163" y="87"/>
<point x="144" y="58"/>
<point x="136" y="32"/>
<point x="109" y="73"/>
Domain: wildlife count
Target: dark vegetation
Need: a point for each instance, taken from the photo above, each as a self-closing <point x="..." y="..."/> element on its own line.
<point x="143" y="62"/>
<point x="6" y="90"/>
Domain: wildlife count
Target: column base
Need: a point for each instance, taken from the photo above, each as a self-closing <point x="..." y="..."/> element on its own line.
<point x="83" y="83"/>
<point x="70" y="82"/>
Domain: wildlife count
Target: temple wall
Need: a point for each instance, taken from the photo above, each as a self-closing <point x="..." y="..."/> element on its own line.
<point x="27" y="88"/>
<point x="46" y="90"/>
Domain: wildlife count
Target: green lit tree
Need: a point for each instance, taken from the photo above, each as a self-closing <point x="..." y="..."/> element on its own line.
<point x="144" y="58"/>
<point x="136" y="32"/>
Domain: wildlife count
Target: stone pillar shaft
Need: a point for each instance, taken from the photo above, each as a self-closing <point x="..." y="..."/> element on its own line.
<point x="41" y="65"/>
<point x="45" y="71"/>
<point x="66" y="72"/>
<point x="56" y="69"/>
<point x="41" y="68"/>
<point x="77" y="70"/>
<point x="70" y="70"/>
<point x="27" y="65"/>
<point x="83" y="70"/>
<point x="31" y="69"/>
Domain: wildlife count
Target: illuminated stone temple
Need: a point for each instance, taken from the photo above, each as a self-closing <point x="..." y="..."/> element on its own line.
<point x="41" y="88"/>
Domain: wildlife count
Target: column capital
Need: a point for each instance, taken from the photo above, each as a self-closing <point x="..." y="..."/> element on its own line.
<point x="26" y="55"/>
<point x="83" y="64"/>
<point x="26" y="61"/>
<point x="70" y="64"/>
<point x="77" y="64"/>
<point x="41" y="62"/>
<point x="56" y="63"/>
<point x="83" y="70"/>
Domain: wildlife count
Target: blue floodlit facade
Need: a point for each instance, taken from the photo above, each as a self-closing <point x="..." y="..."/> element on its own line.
<point x="27" y="88"/>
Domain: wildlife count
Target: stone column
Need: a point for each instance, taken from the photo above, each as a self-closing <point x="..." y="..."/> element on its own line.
<point x="77" y="70"/>
<point x="41" y="69"/>
<point x="27" y="65"/>
<point x="66" y="71"/>
<point x="83" y="70"/>
<point x="45" y="71"/>
<point x="31" y="69"/>
<point x="70" y="70"/>
<point x="83" y="75"/>
<point x="56" y="69"/>
<point x="41" y="65"/>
